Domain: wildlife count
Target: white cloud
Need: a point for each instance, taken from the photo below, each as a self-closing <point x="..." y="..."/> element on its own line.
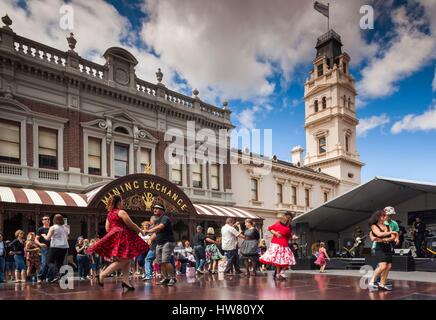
<point x="413" y="122"/>
<point x="368" y="124"/>
<point x="408" y="52"/>
<point x="232" y="48"/>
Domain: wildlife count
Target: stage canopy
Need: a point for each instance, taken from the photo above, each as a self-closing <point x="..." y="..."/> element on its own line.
<point x="360" y="202"/>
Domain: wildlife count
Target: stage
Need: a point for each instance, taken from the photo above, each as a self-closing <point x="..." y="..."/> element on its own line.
<point x="298" y="286"/>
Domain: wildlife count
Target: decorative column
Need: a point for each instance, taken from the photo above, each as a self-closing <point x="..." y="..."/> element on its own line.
<point x="2" y="220"/>
<point x="96" y="224"/>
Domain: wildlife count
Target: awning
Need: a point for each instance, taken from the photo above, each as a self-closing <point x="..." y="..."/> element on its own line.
<point x="359" y="203"/>
<point x="31" y="196"/>
<point x="224" y="211"/>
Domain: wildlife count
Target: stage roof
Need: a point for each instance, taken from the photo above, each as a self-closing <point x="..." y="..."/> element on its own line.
<point x="360" y="202"/>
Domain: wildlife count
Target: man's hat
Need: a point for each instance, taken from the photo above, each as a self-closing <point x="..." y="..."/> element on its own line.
<point x="159" y="206"/>
<point x="389" y="211"/>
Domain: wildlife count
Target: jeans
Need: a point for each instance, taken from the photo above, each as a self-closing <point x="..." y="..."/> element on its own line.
<point x="20" y="264"/>
<point x="232" y="260"/>
<point x="151" y="255"/>
<point x="141" y="260"/>
<point x="2" y="268"/>
<point x="200" y="257"/>
<point x="45" y="271"/>
<point x="83" y="264"/>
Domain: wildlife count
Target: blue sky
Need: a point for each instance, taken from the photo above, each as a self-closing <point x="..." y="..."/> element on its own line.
<point x="257" y="54"/>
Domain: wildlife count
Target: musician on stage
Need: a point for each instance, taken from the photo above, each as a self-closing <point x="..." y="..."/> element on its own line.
<point x="419" y="235"/>
<point x="358" y="233"/>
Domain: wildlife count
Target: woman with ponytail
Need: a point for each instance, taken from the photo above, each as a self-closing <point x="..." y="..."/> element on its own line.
<point x="122" y="242"/>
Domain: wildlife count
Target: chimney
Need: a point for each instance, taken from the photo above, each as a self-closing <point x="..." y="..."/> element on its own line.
<point x="297" y="156"/>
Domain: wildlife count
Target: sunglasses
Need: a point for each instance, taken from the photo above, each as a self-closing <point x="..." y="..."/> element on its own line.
<point x="45" y="219"/>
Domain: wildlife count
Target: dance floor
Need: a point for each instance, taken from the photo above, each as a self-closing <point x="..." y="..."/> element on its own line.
<point x="217" y="287"/>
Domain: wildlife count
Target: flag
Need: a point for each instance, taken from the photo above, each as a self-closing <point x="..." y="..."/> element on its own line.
<point x="322" y="8"/>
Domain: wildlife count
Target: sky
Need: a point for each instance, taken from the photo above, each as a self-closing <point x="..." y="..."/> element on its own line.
<point x="257" y="55"/>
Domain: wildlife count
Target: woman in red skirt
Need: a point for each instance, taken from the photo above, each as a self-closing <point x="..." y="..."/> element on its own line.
<point x="122" y="242"/>
<point x="279" y="254"/>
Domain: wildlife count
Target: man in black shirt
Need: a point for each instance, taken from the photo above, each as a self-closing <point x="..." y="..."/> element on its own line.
<point x="45" y="271"/>
<point x="199" y="249"/>
<point x="165" y="244"/>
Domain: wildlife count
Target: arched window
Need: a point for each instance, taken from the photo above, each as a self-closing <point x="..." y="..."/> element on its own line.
<point x="316" y="106"/>
<point x="349" y="102"/>
<point x="324" y="103"/>
<point x="121" y="130"/>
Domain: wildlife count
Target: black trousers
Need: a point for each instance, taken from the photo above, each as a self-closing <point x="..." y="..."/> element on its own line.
<point x="418" y="244"/>
<point x="55" y="259"/>
<point x="232" y="260"/>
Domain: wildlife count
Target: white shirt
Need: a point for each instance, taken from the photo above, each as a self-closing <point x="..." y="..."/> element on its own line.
<point x="229" y="237"/>
<point x="59" y="238"/>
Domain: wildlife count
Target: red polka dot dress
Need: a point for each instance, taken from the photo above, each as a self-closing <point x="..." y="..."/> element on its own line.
<point x="120" y="241"/>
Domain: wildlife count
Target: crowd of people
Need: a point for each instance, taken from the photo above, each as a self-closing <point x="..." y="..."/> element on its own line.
<point x="148" y="251"/>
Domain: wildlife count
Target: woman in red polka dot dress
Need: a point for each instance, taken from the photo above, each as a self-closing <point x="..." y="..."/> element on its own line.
<point x="122" y="242"/>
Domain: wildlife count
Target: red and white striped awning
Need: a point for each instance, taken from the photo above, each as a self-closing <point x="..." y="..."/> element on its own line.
<point x="31" y="196"/>
<point x="224" y="211"/>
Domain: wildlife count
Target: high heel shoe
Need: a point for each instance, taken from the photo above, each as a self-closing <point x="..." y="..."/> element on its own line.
<point x="126" y="287"/>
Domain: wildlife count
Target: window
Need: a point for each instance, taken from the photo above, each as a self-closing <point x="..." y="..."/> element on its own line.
<point x="145" y="158"/>
<point x="326" y="196"/>
<point x="320" y="70"/>
<point x="121" y="130"/>
<point x="94" y="156"/>
<point x="307" y="197"/>
<point x="316" y="106"/>
<point x="322" y="143"/>
<point x="254" y="190"/>
<point x="347" y="143"/>
<point x="349" y="102"/>
<point x="176" y="173"/>
<point x="9" y="141"/>
<point x="121" y="160"/>
<point x="294" y="195"/>
<point x="197" y="176"/>
<point x="324" y="103"/>
<point x="344" y="67"/>
<point x="47" y="148"/>
<point x="279" y="193"/>
<point x="214" y="177"/>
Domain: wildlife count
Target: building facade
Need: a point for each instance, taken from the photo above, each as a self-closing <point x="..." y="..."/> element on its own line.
<point x="70" y="125"/>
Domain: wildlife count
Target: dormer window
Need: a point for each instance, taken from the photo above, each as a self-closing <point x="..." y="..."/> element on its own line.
<point x="316" y="106"/>
<point x="324" y="103"/>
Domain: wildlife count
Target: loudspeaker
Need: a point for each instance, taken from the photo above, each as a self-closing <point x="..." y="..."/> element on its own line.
<point x="403" y="252"/>
<point x="403" y="263"/>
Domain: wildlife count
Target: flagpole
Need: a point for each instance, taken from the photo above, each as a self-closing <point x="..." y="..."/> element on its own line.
<point x="328" y="18"/>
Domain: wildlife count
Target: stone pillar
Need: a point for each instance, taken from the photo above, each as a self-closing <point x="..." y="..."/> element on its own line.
<point x="96" y="224"/>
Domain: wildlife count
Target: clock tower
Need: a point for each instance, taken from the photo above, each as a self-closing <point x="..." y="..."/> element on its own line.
<point x="330" y="114"/>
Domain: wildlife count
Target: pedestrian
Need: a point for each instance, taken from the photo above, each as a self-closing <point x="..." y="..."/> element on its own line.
<point x="321" y="261"/>
<point x="165" y="244"/>
<point x="249" y="247"/>
<point x="17" y="249"/>
<point x="58" y="237"/>
<point x="213" y="254"/>
<point x="151" y="254"/>
<point x="199" y="249"/>
<point x="95" y="260"/>
<point x="121" y="242"/>
<point x="32" y="255"/>
<point x="82" y="258"/>
<point x="9" y="262"/>
<point x="261" y="250"/>
<point x="279" y="254"/>
<point x="229" y="244"/>
<point x="383" y="237"/>
<point x="44" y="270"/>
<point x="2" y="258"/>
